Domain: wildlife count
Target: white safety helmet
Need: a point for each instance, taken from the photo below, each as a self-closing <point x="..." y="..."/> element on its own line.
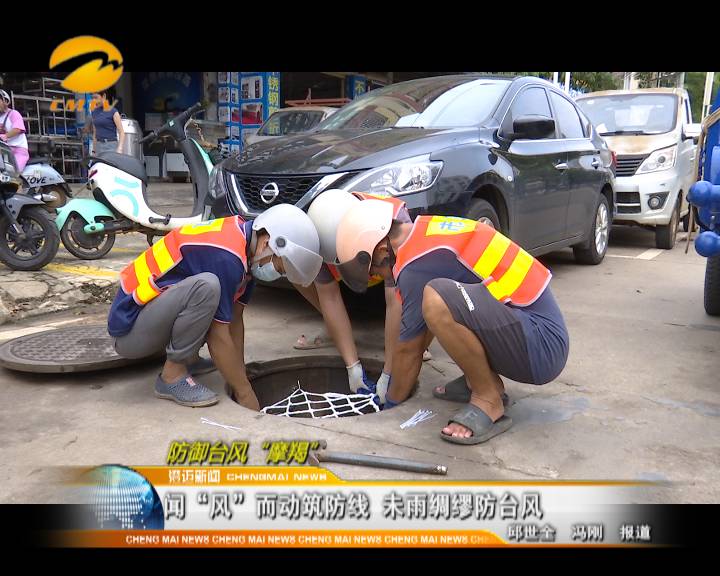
<point x="361" y="229"/>
<point x="5" y="96"/>
<point x="326" y="211"/>
<point x="294" y="239"/>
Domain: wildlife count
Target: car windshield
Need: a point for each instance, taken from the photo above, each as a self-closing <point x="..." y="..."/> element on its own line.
<point x="440" y="102"/>
<point x="290" y="122"/>
<point x="631" y="113"/>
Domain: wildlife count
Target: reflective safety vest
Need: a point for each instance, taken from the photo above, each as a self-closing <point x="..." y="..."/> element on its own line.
<point x="511" y="275"/>
<point x="138" y="278"/>
<point x="398" y="205"/>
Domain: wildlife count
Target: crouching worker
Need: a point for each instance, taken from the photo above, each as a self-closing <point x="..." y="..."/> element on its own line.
<point x="192" y="287"/>
<point x="326" y="212"/>
<point x="485" y="299"/>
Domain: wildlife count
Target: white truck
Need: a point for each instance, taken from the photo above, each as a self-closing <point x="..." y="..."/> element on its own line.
<point x="654" y="139"/>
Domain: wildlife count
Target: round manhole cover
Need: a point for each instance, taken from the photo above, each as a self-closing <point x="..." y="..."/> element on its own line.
<point x="74" y="349"/>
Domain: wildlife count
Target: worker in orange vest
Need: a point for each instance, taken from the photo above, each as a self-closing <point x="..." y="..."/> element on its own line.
<point x="485" y="299"/>
<point x="326" y="211"/>
<point x="192" y="286"/>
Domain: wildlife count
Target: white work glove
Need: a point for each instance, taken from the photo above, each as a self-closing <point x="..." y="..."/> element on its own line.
<point x="359" y="384"/>
<point x="355" y="376"/>
<point x="383" y="384"/>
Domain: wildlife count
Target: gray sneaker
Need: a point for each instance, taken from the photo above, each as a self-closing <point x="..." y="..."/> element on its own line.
<point x="202" y="366"/>
<point x="185" y="392"/>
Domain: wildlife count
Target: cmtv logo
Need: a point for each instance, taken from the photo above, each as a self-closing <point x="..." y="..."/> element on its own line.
<point x="94" y="63"/>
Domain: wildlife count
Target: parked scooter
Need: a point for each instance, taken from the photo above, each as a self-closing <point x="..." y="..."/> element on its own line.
<point x="28" y="237"/>
<point x="118" y="183"/>
<point x="43" y="182"/>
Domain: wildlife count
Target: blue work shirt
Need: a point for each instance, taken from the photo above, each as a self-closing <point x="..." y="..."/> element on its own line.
<point x="226" y="266"/>
<point x="104" y="124"/>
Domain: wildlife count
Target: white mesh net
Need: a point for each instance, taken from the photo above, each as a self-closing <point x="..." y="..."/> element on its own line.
<point x="304" y="404"/>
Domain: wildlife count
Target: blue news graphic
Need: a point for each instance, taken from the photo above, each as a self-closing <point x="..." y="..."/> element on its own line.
<point x="122" y="499"/>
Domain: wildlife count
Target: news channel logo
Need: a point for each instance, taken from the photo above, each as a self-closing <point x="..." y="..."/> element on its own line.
<point x="95" y="64"/>
<point x="122" y="499"/>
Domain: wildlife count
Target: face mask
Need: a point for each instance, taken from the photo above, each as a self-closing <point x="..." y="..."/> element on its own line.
<point x="266" y="272"/>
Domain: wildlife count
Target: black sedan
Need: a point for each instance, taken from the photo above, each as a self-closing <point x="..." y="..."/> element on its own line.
<point x="516" y="153"/>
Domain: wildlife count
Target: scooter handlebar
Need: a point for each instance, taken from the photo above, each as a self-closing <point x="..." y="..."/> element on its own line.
<point x="179" y="119"/>
<point x="194" y="109"/>
<point x="149" y="137"/>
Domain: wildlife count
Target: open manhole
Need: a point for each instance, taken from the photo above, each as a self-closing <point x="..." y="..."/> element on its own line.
<point x="309" y="387"/>
<point x="71" y="349"/>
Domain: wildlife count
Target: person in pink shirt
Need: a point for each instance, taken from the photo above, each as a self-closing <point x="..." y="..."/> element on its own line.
<point x="12" y="131"/>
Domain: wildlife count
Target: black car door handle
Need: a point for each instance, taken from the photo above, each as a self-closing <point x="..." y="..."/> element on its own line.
<point x="561" y="166"/>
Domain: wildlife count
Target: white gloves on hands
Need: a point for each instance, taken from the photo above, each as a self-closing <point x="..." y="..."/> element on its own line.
<point x="355" y="376"/>
<point x="382" y="386"/>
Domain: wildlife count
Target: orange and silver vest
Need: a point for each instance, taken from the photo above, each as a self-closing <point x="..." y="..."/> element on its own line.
<point x="138" y="278"/>
<point x="397" y="206"/>
<point x="511" y="275"/>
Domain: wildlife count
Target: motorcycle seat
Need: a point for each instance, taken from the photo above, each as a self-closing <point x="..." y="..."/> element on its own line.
<point x="123" y="162"/>
<point x="38" y="160"/>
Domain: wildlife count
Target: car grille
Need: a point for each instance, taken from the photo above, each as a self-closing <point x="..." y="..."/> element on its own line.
<point x="628" y="165"/>
<point x="627" y="202"/>
<point x="291" y="189"/>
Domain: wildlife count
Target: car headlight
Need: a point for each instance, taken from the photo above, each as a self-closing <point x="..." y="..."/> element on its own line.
<point x="404" y="177"/>
<point x="659" y="160"/>
<point x="216" y="186"/>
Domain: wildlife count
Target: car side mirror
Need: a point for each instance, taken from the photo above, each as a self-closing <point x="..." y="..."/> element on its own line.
<point x="532" y="127"/>
<point x="691" y="131"/>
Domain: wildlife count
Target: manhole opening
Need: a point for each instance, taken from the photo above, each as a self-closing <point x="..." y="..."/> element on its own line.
<point x="276" y="383"/>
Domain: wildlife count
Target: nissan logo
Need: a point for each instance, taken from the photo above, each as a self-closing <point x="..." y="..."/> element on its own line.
<point x="269" y="193"/>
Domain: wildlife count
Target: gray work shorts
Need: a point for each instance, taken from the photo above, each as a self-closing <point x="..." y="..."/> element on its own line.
<point x="526" y="344"/>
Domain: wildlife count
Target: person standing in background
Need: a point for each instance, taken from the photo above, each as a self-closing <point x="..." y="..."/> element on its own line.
<point x="12" y="131"/>
<point x="108" y="133"/>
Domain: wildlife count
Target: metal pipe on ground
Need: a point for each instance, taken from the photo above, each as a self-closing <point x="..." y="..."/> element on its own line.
<point x="321" y="455"/>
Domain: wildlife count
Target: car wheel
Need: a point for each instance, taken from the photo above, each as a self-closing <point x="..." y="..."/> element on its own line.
<point x="665" y="235"/>
<point x="482" y="211"/>
<point x="594" y="251"/>
<point x="686" y="222"/>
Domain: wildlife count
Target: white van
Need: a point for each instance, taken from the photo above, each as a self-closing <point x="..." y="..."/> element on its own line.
<point x="652" y="134"/>
<point x="290" y="121"/>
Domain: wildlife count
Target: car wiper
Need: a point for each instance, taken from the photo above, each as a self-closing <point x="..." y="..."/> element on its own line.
<point x="617" y="132"/>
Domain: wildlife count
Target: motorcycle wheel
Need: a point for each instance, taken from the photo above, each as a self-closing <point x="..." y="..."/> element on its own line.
<point x="60" y="195"/>
<point x="39" y="246"/>
<point x="82" y="245"/>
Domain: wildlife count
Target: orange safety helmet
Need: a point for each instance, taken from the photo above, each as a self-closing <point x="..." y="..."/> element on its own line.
<point x="360" y="231"/>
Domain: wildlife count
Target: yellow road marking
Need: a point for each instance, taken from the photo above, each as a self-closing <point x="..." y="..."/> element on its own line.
<point x="83" y="270"/>
<point x="122" y="250"/>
